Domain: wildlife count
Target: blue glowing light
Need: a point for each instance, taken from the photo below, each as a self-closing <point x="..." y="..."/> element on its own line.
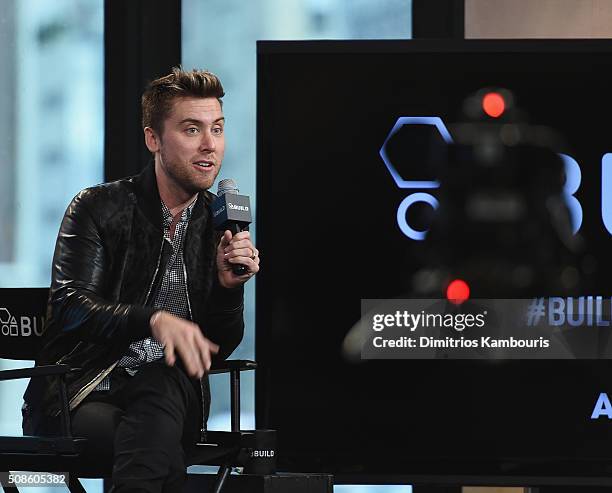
<point x="606" y="191"/>
<point x="403" y="207"/>
<point x="602" y="407"/>
<point x="573" y="177"/>
<point x="413" y="120"/>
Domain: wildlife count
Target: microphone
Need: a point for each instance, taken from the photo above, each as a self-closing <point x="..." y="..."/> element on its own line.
<point x="231" y="211"/>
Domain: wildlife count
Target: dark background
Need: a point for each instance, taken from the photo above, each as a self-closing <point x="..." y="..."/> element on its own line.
<point x="326" y="220"/>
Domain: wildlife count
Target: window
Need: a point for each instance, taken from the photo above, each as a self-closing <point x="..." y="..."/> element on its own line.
<point x="221" y="37"/>
<point x="51" y="139"/>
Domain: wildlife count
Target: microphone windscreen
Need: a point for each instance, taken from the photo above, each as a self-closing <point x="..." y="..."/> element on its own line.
<point x="227" y="185"/>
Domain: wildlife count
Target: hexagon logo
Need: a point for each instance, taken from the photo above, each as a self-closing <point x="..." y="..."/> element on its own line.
<point x="437" y="124"/>
<point x="402" y="182"/>
<point x="5" y="316"/>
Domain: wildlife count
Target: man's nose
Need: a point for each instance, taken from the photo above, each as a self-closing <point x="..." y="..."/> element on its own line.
<point x="207" y="143"/>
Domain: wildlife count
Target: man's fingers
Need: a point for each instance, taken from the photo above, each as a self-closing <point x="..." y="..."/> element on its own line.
<point x="225" y="239"/>
<point x="191" y="360"/>
<point x="243" y="235"/>
<point x="251" y="264"/>
<point x="241" y="252"/>
<point x="184" y="339"/>
<point x="169" y="353"/>
<point x="187" y="347"/>
<point x="202" y="351"/>
<point x="206" y="361"/>
<point x="205" y="348"/>
<point x="239" y="244"/>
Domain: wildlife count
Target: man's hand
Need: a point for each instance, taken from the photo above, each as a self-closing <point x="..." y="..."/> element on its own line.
<point x="233" y="251"/>
<point x="181" y="336"/>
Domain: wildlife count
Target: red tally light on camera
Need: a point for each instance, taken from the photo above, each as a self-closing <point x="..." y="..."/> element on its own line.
<point x="457" y="291"/>
<point x="493" y="104"/>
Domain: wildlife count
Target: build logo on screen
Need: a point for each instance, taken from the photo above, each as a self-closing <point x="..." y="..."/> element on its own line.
<point x="572" y="181"/>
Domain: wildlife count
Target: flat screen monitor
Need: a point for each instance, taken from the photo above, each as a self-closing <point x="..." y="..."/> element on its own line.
<point x="330" y="235"/>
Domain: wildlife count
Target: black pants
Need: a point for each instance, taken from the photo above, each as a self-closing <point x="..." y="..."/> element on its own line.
<point x="144" y="426"/>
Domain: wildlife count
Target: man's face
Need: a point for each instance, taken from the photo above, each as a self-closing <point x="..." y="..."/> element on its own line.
<point x="190" y="148"/>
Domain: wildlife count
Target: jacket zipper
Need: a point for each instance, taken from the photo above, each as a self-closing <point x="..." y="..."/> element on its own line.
<point x="81" y="394"/>
<point x="67" y="355"/>
<point x="187" y="290"/>
<point x="156" y="270"/>
<point x="74" y="402"/>
<point x="203" y="429"/>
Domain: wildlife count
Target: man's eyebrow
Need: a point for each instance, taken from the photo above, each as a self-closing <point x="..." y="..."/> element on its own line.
<point x="200" y="122"/>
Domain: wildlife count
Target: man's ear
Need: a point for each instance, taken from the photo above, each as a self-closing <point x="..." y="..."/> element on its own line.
<point x="151" y="139"/>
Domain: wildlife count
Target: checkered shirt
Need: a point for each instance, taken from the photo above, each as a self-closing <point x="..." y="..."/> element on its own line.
<point x="171" y="296"/>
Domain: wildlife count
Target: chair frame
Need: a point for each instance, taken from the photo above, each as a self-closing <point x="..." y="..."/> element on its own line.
<point x="33" y="452"/>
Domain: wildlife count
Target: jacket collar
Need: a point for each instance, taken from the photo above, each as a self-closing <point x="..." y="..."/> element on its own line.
<point x="145" y="185"/>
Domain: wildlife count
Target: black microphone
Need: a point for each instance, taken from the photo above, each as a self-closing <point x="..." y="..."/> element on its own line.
<point x="231" y="211"/>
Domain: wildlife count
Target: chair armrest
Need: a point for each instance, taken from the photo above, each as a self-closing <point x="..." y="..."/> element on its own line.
<point x="234" y="367"/>
<point x="36" y="371"/>
<point x="227" y="366"/>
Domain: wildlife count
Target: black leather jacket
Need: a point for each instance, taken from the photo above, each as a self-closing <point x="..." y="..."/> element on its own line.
<point x="109" y="260"/>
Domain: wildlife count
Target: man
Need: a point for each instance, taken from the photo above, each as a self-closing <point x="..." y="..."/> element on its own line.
<point x="143" y="296"/>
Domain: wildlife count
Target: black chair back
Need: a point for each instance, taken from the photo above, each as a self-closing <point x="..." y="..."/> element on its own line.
<point x="22" y="313"/>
